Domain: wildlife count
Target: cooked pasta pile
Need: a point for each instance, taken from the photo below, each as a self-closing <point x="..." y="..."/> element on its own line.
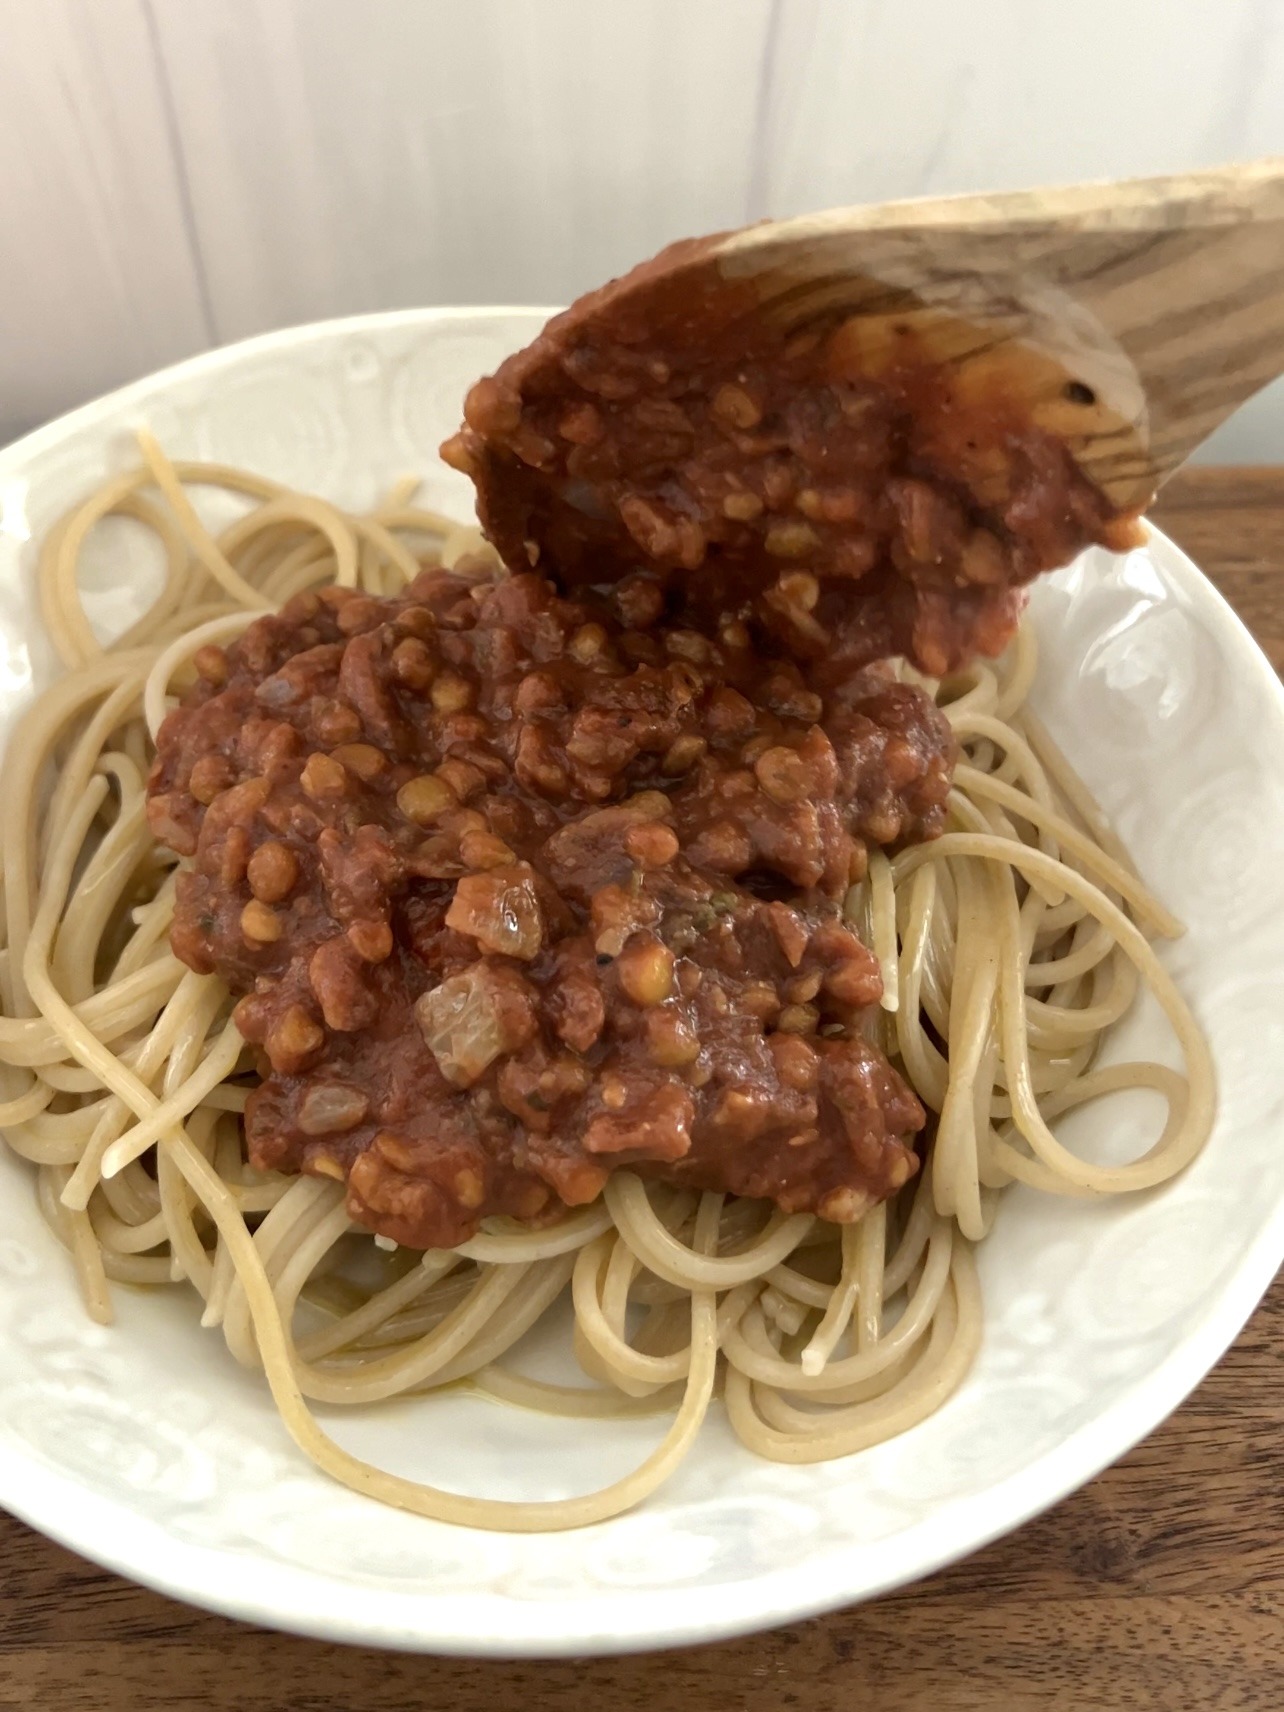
<point x="1009" y="948"/>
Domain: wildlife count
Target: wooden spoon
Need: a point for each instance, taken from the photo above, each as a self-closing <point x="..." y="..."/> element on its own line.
<point x="1163" y="298"/>
<point x="1129" y="318"/>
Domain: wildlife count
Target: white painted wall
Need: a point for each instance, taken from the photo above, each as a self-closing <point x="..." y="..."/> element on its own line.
<point x="175" y="173"/>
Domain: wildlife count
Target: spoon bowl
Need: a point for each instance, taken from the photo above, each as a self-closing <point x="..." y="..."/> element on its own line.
<point x="1126" y="319"/>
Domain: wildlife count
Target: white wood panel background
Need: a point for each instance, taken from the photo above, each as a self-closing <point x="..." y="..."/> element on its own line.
<point x="176" y="173"/>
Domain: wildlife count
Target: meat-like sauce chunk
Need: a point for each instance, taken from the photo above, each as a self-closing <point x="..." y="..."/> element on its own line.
<point x="517" y="889"/>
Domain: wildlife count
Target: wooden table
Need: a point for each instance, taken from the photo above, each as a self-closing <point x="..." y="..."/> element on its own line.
<point x="1159" y="1587"/>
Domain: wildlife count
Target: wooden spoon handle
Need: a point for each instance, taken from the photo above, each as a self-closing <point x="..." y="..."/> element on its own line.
<point x="1134" y="317"/>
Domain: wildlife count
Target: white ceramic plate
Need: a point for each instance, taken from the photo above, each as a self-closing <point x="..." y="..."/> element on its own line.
<point x="145" y="1448"/>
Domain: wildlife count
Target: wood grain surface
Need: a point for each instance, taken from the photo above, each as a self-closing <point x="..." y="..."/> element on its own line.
<point x="1158" y="1588"/>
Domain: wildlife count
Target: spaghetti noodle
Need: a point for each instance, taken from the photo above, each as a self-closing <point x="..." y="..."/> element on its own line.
<point x="1009" y="947"/>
